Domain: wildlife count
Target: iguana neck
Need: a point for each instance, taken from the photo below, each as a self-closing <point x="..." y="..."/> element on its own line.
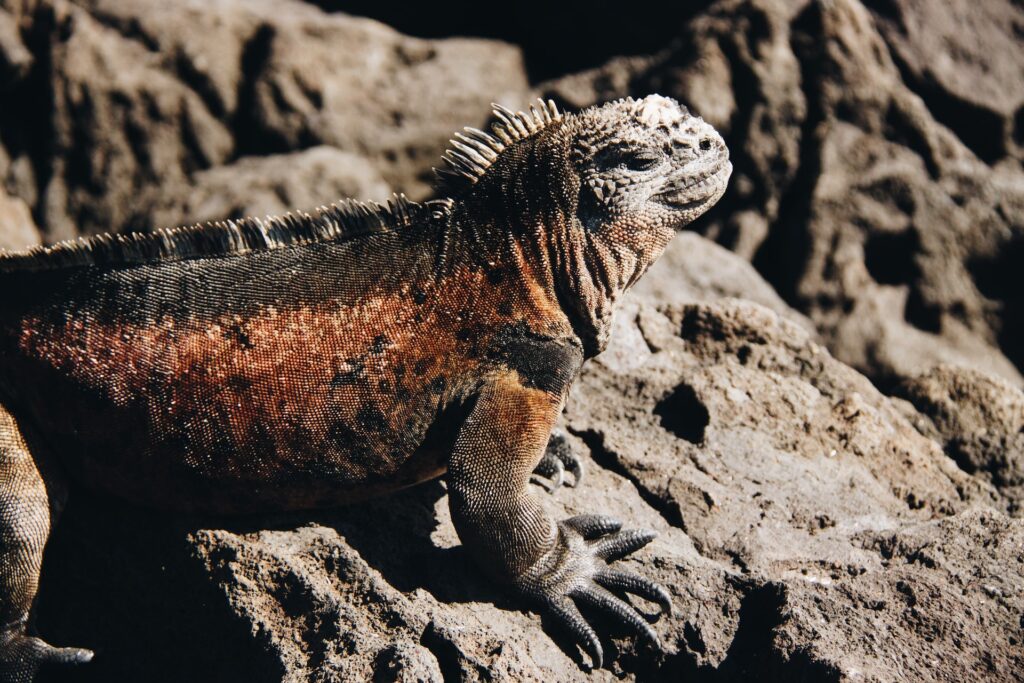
<point x="591" y="274"/>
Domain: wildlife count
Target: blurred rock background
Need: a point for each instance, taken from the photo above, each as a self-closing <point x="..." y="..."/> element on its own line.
<point x="815" y="396"/>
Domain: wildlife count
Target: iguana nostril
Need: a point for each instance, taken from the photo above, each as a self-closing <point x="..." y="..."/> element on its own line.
<point x="705" y="144"/>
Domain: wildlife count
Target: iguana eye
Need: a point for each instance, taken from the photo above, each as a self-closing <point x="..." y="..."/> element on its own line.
<point x="640" y="161"/>
<point x="629" y="158"/>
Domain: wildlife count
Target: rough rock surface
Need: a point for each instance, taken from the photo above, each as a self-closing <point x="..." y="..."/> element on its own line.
<point x="269" y="185"/>
<point x="979" y="419"/>
<point x="966" y="58"/>
<point x="17" y="231"/>
<point x="17" y="228"/>
<point x="811" y="527"/>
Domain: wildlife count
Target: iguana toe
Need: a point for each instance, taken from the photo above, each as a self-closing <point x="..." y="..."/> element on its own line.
<point x="21" y="656"/>
<point x="637" y="585"/>
<point x="569" y="616"/>
<point x="575" y="571"/>
<point x="552" y="469"/>
<point x="558" y="457"/>
<point x="601" y="598"/>
<point x="592" y="526"/>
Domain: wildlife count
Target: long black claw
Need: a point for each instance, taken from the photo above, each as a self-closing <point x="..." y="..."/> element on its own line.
<point x="623" y="543"/>
<point x="576" y="467"/>
<point x="603" y="599"/>
<point x="552" y="469"/>
<point x="559" y="476"/>
<point x="637" y="585"/>
<point x="569" y="615"/>
<point x="559" y="456"/>
<point x="592" y="526"/>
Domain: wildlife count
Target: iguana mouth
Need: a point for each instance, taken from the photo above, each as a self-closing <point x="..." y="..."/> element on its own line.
<point x="699" y="190"/>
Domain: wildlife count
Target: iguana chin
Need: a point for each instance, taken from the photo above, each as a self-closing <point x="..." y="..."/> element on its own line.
<point x="311" y="360"/>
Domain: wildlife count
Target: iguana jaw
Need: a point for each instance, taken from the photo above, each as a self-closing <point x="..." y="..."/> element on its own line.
<point x="698" y="194"/>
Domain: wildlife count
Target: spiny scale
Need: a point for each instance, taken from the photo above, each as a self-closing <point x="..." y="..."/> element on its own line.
<point x="339" y="220"/>
<point x="473" y="151"/>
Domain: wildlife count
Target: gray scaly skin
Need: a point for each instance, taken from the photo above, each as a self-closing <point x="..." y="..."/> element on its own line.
<point x="307" y="361"/>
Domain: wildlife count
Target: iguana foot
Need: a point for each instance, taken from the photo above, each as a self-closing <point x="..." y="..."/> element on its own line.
<point x="575" y="570"/>
<point x="558" y="456"/>
<point x="21" y="656"/>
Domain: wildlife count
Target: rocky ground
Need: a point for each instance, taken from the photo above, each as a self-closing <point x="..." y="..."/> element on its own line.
<point x="815" y="396"/>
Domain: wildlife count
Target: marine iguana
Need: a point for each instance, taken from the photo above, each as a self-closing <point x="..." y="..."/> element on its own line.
<point x="310" y="360"/>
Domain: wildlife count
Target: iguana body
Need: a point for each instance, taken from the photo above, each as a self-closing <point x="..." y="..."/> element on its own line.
<point x="309" y="361"/>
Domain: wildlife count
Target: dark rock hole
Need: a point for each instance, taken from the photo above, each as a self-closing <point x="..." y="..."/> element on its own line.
<point x="753" y="654"/>
<point x="889" y="9"/>
<point x="445" y="651"/>
<point x="891" y="260"/>
<point x="682" y="414"/>
<point x="889" y="257"/>
<point x="1001" y="278"/>
<point x="922" y="314"/>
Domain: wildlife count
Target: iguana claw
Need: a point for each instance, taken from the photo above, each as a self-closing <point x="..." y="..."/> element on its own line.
<point x="559" y="456"/>
<point x="575" y="571"/>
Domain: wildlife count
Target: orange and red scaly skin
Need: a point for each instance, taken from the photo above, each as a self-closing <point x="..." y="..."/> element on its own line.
<point x="288" y="407"/>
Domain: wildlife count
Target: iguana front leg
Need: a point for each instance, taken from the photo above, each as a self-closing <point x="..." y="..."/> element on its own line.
<point x="505" y="528"/>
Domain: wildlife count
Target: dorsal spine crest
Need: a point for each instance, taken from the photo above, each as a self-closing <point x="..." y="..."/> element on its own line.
<point x="347" y="218"/>
<point x="473" y="151"/>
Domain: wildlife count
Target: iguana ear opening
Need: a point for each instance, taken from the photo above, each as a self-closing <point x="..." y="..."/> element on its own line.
<point x="590" y="207"/>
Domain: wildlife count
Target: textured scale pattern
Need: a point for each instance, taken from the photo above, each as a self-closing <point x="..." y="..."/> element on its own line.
<point x="317" y="359"/>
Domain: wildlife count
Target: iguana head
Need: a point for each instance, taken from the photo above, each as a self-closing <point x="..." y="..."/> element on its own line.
<point x="645" y="165"/>
<point x="595" y="197"/>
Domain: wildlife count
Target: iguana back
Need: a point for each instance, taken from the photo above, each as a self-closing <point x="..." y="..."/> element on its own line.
<point x="286" y="374"/>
